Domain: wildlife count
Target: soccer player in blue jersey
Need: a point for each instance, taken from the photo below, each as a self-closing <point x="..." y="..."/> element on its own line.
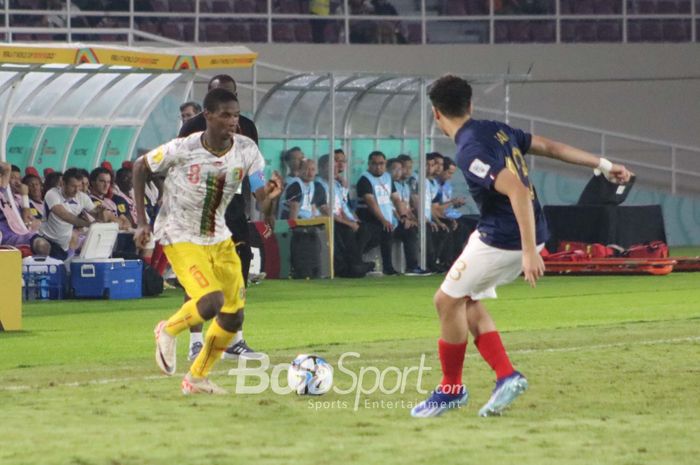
<point x="510" y="233"/>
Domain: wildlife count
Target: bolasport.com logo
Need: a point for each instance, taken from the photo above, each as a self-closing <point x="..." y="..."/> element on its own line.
<point x="353" y="381"/>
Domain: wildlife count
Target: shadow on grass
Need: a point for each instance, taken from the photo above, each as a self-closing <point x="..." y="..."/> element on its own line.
<point x="16" y="334"/>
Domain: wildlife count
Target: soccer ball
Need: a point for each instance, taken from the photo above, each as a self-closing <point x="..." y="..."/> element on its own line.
<point x="310" y="375"/>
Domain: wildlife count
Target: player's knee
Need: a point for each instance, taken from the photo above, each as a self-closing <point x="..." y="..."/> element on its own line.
<point x="445" y="304"/>
<point x="231" y="322"/>
<point x="210" y="304"/>
<point x="440" y="300"/>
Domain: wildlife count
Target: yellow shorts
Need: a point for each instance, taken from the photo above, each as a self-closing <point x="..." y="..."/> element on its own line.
<point x="203" y="269"/>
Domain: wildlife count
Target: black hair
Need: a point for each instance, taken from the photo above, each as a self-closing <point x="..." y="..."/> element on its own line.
<point x="72" y="173"/>
<point x="217" y="97"/>
<point x="51" y="180"/>
<point x="376" y="153"/>
<point x="84" y="173"/>
<point x="337" y="151"/>
<point x="15" y="169"/>
<point x="221" y="78"/>
<point x="447" y="162"/>
<point x="197" y="107"/>
<point x="391" y="161"/>
<point x="288" y="154"/>
<point x="403" y="158"/>
<point x="451" y="95"/>
<point x="94" y="174"/>
<point x="29" y="177"/>
<point x="121" y="175"/>
<point x="433" y="156"/>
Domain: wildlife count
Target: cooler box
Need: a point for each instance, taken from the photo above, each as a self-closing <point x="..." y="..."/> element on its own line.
<point x="112" y="278"/>
<point x="44" y="278"/>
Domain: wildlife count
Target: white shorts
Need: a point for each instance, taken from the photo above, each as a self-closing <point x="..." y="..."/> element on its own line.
<point x="480" y="268"/>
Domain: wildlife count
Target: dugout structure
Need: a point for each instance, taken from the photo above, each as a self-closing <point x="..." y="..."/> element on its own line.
<point x="76" y="105"/>
<point x="361" y="112"/>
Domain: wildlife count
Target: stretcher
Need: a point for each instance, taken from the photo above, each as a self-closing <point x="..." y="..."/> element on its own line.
<point x="604" y="266"/>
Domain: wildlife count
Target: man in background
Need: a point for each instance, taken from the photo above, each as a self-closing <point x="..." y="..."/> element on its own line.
<point x="189" y="110"/>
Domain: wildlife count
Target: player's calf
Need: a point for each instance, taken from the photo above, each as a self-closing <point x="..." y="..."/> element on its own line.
<point x="232" y="322"/>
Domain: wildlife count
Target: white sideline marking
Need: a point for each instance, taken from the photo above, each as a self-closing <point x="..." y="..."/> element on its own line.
<point x="97" y="382"/>
<point x="608" y="346"/>
<point x="221" y="372"/>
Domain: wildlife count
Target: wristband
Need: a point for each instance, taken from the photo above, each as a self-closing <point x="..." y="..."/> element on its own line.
<point x="604" y="166"/>
<point x="25" y="201"/>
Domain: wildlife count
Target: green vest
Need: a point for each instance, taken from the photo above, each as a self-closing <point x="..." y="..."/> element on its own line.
<point x="320" y="7"/>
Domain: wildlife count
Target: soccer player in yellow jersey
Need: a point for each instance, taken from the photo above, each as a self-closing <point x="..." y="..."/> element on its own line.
<point x="203" y="171"/>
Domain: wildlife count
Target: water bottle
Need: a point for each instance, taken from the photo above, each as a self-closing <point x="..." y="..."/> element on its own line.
<point x="43" y="287"/>
<point x="30" y="286"/>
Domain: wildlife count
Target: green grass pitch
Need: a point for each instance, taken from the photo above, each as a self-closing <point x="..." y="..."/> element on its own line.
<point x="613" y="364"/>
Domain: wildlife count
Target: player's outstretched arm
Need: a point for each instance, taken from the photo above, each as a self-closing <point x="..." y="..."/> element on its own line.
<point x="559" y="151"/>
<point x="143" y="229"/>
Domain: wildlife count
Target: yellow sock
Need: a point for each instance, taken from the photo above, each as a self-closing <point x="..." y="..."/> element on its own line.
<point x="215" y="342"/>
<point x="186" y="317"/>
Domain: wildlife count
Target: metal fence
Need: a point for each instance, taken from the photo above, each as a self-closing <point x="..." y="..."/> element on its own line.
<point x="354" y="22"/>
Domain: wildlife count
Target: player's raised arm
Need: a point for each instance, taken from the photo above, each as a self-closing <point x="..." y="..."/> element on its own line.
<point x="558" y="150"/>
<point x="266" y="193"/>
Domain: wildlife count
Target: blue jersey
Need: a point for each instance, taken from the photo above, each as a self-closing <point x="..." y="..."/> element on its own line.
<point x="484" y="148"/>
<point x="444" y="196"/>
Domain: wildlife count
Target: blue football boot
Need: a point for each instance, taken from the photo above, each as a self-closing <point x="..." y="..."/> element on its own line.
<point x="439" y="403"/>
<point x="506" y="391"/>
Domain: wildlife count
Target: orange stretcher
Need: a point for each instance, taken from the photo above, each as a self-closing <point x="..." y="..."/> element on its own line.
<point x="687" y="264"/>
<point x="602" y="266"/>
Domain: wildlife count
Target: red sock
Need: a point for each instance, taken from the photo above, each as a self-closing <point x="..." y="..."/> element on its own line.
<point x="452" y="361"/>
<point x="492" y="350"/>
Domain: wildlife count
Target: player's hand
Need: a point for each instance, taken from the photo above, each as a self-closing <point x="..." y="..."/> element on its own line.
<point x="102" y="215"/>
<point x="142" y="235"/>
<point x="274" y="186"/>
<point x="269" y="221"/>
<point x="619" y="174"/>
<point x="613" y="172"/>
<point x="23" y="189"/>
<point x="354" y="225"/>
<point x="388" y="227"/>
<point x="533" y="266"/>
